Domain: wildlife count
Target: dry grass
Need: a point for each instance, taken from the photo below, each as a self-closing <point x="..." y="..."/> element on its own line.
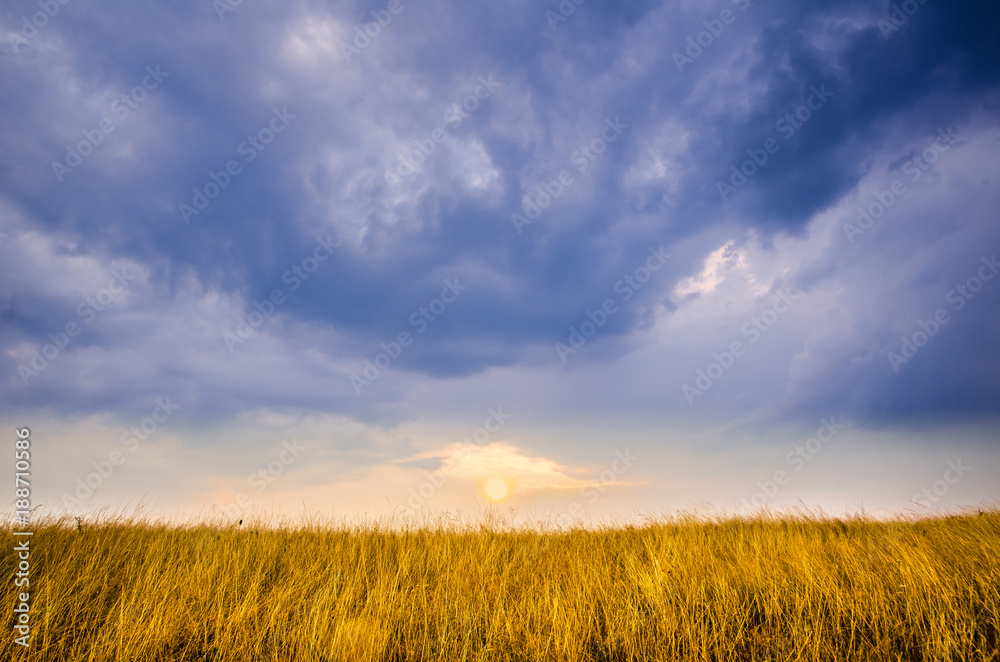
<point x="770" y="588"/>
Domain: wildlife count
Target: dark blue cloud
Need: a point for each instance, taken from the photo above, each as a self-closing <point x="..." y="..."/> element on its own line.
<point x="324" y="176"/>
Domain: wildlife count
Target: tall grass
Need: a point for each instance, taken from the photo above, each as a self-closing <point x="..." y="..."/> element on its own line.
<point x="766" y="588"/>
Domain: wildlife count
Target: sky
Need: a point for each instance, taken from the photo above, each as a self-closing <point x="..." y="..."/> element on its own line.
<point x="571" y="261"/>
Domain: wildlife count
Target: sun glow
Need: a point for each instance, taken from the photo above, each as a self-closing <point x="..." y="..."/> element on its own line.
<point x="496" y="488"/>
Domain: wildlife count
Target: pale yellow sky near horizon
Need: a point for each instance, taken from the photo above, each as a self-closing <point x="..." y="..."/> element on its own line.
<point x="287" y="475"/>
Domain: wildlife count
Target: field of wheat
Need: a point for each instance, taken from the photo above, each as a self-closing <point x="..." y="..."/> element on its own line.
<point x="689" y="588"/>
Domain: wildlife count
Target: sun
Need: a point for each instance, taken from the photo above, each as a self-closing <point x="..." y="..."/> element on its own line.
<point x="496" y="488"/>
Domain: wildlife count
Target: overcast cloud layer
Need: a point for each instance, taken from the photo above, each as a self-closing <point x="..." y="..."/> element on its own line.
<point x="694" y="229"/>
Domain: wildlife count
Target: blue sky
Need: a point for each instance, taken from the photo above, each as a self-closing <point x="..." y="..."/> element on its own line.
<point x="578" y="260"/>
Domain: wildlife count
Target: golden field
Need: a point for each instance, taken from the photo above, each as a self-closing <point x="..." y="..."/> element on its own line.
<point x="772" y="587"/>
